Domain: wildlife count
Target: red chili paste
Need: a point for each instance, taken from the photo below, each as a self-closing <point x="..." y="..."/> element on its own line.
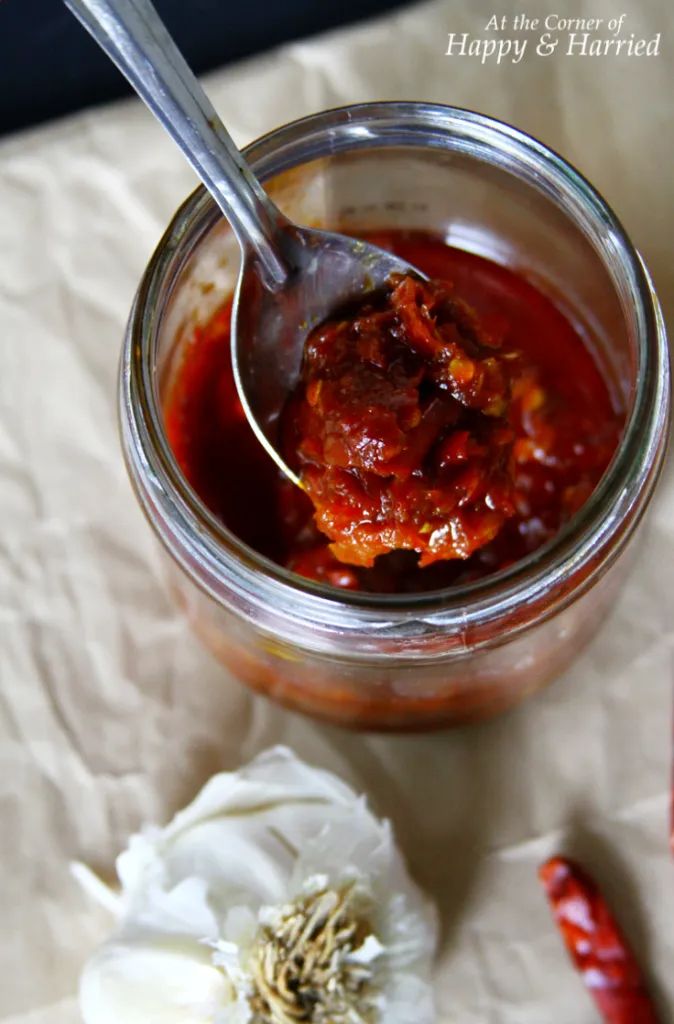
<point x="471" y="404"/>
<point x="399" y="427"/>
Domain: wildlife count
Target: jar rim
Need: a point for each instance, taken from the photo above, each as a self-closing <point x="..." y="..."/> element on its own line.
<point x="591" y="538"/>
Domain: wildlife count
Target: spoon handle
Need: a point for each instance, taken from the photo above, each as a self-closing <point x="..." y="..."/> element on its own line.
<point x="135" y="38"/>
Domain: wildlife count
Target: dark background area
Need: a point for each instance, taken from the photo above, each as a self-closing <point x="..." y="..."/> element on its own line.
<point x="49" y="66"/>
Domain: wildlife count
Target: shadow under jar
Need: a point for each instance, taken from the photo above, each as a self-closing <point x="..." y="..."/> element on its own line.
<point x="419" y="660"/>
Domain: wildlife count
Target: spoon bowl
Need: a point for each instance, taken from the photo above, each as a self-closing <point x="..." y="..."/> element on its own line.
<point x="291" y="278"/>
<point x="327" y="271"/>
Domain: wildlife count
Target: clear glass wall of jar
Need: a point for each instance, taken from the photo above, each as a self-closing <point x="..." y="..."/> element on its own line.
<point x="399" y="661"/>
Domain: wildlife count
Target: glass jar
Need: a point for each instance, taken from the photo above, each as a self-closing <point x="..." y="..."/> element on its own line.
<point x="401" y="661"/>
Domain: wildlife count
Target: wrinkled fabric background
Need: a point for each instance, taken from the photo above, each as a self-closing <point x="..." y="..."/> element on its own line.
<point x="112" y="715"/>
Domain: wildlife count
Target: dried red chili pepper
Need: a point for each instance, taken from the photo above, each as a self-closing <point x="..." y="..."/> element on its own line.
<point x="596" y="945"/>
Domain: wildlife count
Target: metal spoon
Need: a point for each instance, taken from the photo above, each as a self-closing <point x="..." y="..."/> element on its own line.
<point x="291" y="278"/>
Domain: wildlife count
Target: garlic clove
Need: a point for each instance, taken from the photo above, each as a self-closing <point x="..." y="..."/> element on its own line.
<point x="167" y="981"/>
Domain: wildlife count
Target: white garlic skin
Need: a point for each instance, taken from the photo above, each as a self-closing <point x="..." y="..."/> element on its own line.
<point x="195" y="893"/>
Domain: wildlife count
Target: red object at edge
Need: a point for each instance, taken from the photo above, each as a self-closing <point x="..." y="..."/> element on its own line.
<point x="596" y="945"/>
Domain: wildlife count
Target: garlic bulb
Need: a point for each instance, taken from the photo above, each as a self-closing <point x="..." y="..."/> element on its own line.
<point x="276" y="897"/>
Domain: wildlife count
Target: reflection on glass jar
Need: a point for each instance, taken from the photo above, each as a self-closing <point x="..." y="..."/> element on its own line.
<point x="406" y="660"/>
